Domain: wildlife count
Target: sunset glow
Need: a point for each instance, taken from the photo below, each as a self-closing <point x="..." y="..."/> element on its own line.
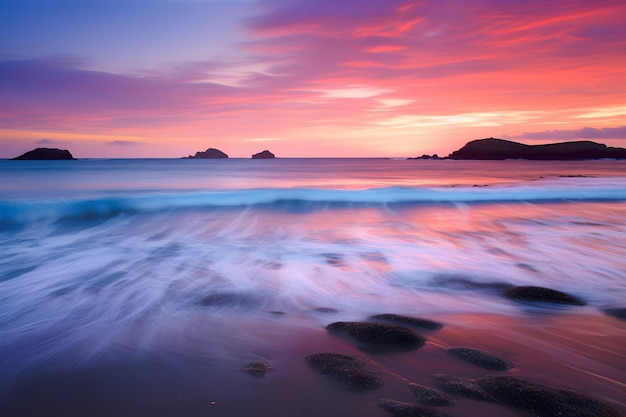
<point x="307" y="78"/>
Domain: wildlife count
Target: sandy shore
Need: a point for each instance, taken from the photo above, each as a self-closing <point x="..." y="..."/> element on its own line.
<point x="562" y="349"/>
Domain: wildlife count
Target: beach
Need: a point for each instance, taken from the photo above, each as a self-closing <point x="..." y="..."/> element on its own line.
<point x="139" y="288"/>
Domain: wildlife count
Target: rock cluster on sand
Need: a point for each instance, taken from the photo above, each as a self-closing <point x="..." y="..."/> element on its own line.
<point x="479" y="358"/>
<point x="429" y="396"/>
<point x="462" y="386"/>
<point x="400" y="409"/>
<point x="546" y="295"/>
<point x="45" y="154"/>
<point x="257" y="368"/>
<point x="379" y="337"/>
<point x="210" y="153"/>
<point x="541" y="400"/>
<point x="264" y="155"/>
<point x="408" y="321"/>
<point x="352" y="371"/>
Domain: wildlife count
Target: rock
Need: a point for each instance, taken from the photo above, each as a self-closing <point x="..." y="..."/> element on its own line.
<point x="426" y="156"/>
<point x="409" y="321"/>
<point x="257" y="368"/>
<point x="210" y="153"/>
<point x="465" y="387"/>
<point x="494" y="149"/>
<point x="379" y="337"/>
<point x="618" y="312"/>
<point x="41" y="154"/>
<point x="327" y="310"/>
<point x="400" y="409"/>
<point x="351" y="371"/>
<point x="462" y="283"/>
<point x="546" y="295"/>
<point x="229" y="299"/>
<point x="479" y="358"/>
<point x="543" y="401"/>
<point x="429" y="396"/>
<point x="264" y="155"/>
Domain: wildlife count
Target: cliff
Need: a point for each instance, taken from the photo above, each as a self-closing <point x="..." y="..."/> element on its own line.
<point x="490" y="149"/>
<point x="42" y="154"/>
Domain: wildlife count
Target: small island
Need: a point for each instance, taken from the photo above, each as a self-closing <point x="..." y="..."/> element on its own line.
<point x="210" y="153"/>
<point x="498" y="149"/>
<point x="45" y="154"/>
<point x="264" y="155"/>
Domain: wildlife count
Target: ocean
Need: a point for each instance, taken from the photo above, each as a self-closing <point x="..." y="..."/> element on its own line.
<point x="107" y="263"/>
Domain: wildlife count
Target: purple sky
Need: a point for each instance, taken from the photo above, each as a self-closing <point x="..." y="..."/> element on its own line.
<point x="166" y="78"/>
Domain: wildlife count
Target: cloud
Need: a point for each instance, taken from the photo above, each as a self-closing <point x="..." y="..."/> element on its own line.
<point x="46" y="142"/>
<point x="571" y="134"/>
<point x="124" y="143"/>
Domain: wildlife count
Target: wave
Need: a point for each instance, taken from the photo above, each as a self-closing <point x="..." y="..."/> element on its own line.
<point x="292" y="198"/>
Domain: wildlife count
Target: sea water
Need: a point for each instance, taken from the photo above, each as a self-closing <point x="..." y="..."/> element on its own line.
<point x="124" y="258"/>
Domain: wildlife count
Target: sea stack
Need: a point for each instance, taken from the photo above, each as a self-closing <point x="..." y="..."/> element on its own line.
<point x="264" y="155"/>
<point x="210" y="153"/>
<point x="45" y="154"/>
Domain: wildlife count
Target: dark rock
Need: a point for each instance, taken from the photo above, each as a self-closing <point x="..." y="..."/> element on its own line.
<point x="429" y="396"/>
<point x="379" y="337"/>
<point x="257" y="368"/>
<point x="352" y="371"/>
<point x="425" y="156"/>
<point x="409" y="321"/>
<point x="618" y="312"/>
<point x="44" y="154"/>
<point x="210" y="153"/>
<point x="400" y="409"/>
<point x="462" y="283"/>
<point x="480" y="358"/>
<point x="328" y="310"/>
<point x="543" y="401"/>
<point x="546" y="295"/>
<point x="495" y="149"/>
<point x="264" y="155"/>
<point x="229" y="299"/>
<point x="465" y="387"/>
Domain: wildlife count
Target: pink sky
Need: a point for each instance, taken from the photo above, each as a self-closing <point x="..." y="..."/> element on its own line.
<point x="303" y="78"/>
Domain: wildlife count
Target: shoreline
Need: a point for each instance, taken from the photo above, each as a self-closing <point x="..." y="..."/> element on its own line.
<point x="561" y="349"/>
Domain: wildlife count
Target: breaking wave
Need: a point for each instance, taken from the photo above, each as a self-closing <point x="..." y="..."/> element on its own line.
<point x="292" y="199"/>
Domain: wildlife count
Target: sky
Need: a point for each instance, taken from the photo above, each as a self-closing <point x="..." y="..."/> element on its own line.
<point x="307" y="78"/>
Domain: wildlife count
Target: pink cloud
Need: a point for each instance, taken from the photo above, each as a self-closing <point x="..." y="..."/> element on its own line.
<point x="322" y="67"/>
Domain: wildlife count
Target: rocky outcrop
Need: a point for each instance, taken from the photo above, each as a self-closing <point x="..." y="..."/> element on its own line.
<point x="543" y="401"/>
<point x="210" y="153"/>
<point x="494" y="149"/>
<point x="479" y="358"/>
<point x="408" y="321"/>
<point x="378" y="337"/>
<point x="264" y="155"/>
<point x="257" y="368"/>
<point x="45" y="154"/>
<point x="541" y="294"/>
<point x="351" y="371"/>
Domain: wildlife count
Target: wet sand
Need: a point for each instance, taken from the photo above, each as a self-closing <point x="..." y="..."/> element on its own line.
<point x="562" y="349"/>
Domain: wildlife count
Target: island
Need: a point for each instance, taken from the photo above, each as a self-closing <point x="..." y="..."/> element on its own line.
<point x="498" y="149"/>
<point x="264" y="155"/>
<point x="45" y="154"/>
<point x="210" y="153"/>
